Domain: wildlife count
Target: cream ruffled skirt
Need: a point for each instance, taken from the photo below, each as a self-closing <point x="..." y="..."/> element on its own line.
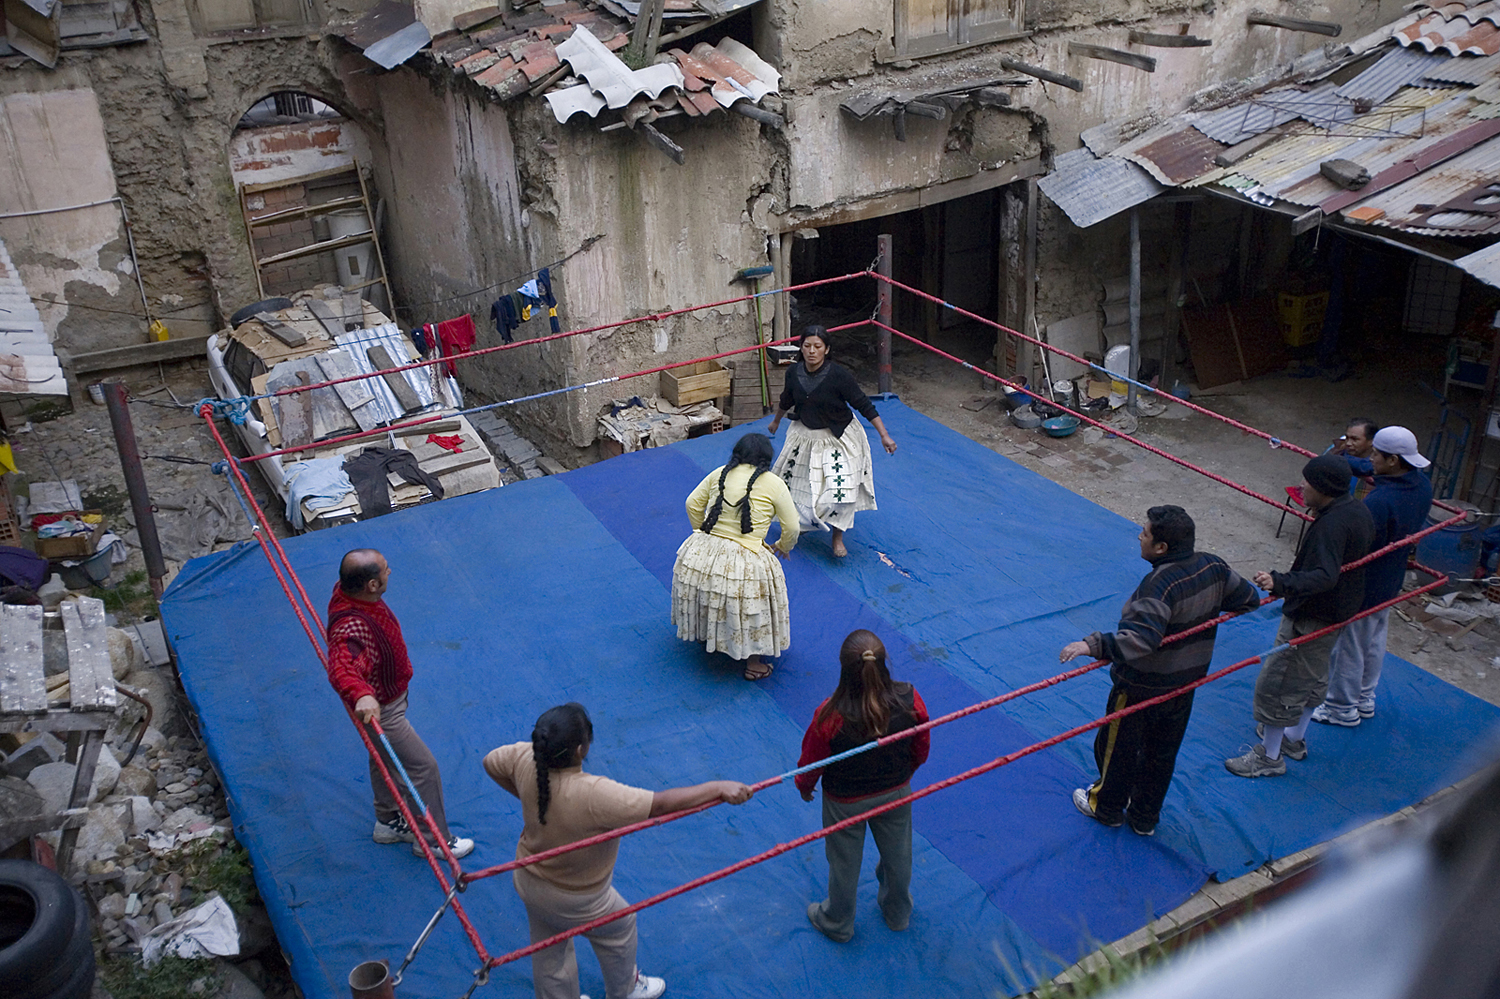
<point x="730" y="598"/>
<point x="831" y="478"/>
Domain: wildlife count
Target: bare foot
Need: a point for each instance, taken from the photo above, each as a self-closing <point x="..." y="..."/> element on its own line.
<point x="839" y="550"/>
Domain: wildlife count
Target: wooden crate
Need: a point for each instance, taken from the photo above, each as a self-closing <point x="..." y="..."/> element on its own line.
<point x="695" y="383"/>
<point x="72" y="546"/>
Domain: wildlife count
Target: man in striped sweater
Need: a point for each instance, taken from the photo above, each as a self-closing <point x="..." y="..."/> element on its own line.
<point x="1137" y="753"/>
<point x="369" y="667"/>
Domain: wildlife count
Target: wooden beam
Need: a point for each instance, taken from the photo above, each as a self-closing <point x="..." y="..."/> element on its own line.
<point x="312" y="248"/>
<point x="175" y="349"/>
<point x="1294" y="23"/>
<point x="292" y="213"/>
<point x="1155" y="40"/>
<point x="1130" y="59"/>
<point x="759" y="114"/>
<point x="406" y="397"/>
<point x="1041" y="74"/>
<point x="654" y="137"/>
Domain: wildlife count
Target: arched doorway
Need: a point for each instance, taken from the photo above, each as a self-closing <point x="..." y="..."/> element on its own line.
<point x="301" y="168"/>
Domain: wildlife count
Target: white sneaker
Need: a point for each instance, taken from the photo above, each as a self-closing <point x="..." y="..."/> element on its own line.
<point x="1324" y="715"/>
<point x="646" y="987"/>
<point x="460" y="846"/>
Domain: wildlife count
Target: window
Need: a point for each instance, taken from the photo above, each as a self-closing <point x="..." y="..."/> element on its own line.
<point x="229" y="15"/>
<point x="927" y="26"/>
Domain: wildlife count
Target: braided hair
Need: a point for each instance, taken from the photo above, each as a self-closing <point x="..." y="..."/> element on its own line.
<point x="753" y="450"/>
<point x="555" y="740"/>
<point x="865" y="697"/>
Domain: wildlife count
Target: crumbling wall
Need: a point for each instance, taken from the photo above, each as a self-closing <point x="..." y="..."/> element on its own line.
<point x="169" y="107"/>
<point x="285" y="152"/>
<point x="454" y="229"/>
<point x="672" y="236"/>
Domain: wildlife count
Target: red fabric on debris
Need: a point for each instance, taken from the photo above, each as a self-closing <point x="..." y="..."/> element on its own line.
<point x="454" y="443"/>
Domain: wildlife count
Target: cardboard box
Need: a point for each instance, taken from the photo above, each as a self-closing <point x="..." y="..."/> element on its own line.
<point x="695" y="383"/>
<point x="73" y="546"/>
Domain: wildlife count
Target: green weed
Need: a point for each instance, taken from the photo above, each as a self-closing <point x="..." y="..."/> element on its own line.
<point x="210" y="866"/>
<point x="170" y="978"/>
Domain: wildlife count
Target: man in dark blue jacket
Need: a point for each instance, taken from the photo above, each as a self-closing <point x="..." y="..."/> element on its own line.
<point x="1137" y="754"/>
<point x="1398" y="504"/>
<point x="1315" y="594"/>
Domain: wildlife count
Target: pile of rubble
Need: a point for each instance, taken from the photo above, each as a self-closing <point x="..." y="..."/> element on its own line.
<point x="156" y="820"/>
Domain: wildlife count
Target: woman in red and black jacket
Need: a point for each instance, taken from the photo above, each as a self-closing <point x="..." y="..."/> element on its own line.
<point x="866" y="706"/>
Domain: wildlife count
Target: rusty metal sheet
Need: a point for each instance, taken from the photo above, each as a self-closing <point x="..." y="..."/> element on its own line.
<point x="1176" y="157"/>
<point x="1433" y="201"/>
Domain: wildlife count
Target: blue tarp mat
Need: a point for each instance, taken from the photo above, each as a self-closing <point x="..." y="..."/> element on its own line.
<point x="975" y="572"/>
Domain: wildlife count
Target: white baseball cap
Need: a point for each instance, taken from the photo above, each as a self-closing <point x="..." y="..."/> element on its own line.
<point x="1400" y="441"/>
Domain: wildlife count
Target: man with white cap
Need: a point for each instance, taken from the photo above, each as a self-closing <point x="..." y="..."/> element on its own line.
<point x="1398" y="504"/>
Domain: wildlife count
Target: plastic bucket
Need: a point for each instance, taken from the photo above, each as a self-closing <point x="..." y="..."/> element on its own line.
<point x="1454" y="549"/>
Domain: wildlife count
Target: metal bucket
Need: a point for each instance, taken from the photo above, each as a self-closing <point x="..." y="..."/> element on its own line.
<point x="1454" y="549"/>
<point x="371" y="980"/>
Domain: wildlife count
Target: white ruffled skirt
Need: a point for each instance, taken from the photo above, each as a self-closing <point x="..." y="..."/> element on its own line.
<point x="729" y="597"/>
<point x="831" y="478"/>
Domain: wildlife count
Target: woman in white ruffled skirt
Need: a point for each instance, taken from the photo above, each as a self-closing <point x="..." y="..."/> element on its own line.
<point x="826" y="459"/>
<point x="728" y="590"/>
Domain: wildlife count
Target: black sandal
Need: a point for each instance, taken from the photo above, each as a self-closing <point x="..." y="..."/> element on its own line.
<point x="765" y="670"/>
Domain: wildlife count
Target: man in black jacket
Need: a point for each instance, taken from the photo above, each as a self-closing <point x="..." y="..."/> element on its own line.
<point x="1136" y="754"/>
<point x="1293" y="680"/>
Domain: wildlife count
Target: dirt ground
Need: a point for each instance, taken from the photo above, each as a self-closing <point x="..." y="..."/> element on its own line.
<point x="1127" y="480"/>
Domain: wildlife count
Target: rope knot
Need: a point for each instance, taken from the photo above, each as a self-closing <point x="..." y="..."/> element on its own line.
<point x="236" y="411"/>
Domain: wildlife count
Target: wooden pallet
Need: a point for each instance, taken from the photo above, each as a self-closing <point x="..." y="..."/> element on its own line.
<point x="84" y="720"/>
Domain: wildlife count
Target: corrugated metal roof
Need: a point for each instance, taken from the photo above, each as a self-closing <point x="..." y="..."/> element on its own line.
<point x="1246" y="120"/>
<point x="1396" y="69"/>
<point x="1411" y="205"/>
<point x="1090" y="190"/>
<point x="1484" y="265"/>
<point x="1176" y="157"/>
<point x="1472" y="70"/>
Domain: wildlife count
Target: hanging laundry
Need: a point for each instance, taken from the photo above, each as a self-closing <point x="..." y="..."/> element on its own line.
<point x="457" y="336"/>
<point x="503" y="314"/>
<point x="454" y="443"/>
<point x="531" y="296"/>
<point x="422" y="337"/>
<point x="544" y="282"/>
<point x="368" y="473"/>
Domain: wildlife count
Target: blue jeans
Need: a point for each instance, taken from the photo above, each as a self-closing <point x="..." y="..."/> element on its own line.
<point x="1354" y="669"/>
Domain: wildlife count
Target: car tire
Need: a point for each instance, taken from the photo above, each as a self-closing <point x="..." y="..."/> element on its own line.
<point x="39" y="911"/>
<point x="255" y="308"/>
<point x="62" y="981"/>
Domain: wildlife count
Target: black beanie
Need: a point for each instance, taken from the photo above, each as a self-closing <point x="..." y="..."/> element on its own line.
<point x="1329" y="474"/>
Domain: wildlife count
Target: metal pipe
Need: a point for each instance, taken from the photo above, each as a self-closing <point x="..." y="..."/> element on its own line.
<point x="1135" y="305"/>
<point x="135" y="483"/>
<point x="371" y="980"/>
<point x="883" y="345"/>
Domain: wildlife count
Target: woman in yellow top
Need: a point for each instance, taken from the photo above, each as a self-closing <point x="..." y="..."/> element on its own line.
<point x="728" y="591"/>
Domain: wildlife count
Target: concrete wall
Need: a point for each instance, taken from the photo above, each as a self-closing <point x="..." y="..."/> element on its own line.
<point x="284" y="152"/>
<point x="53" y="154"/>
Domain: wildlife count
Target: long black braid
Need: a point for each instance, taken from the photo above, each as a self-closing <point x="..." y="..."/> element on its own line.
<point x="557" y="735"/>
<point x="754" y="450"/>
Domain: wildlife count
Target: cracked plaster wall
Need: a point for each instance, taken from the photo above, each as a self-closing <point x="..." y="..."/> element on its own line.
<point x="53" y="154"/>
<point x="168" y="108"/>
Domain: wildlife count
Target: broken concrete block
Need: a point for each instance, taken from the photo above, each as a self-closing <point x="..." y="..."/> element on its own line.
<point x="550" y="465"/>
<point x="54" y="781"/>
<point x="142" y="817"/>
<point x="136" y="781"/>
<point x="1345" y="173"/>
<point x="101" y="836"/>
<point x="45" y="748"/>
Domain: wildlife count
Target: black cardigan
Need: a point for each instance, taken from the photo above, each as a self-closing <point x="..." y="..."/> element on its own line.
<point x="822" y="400"/>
